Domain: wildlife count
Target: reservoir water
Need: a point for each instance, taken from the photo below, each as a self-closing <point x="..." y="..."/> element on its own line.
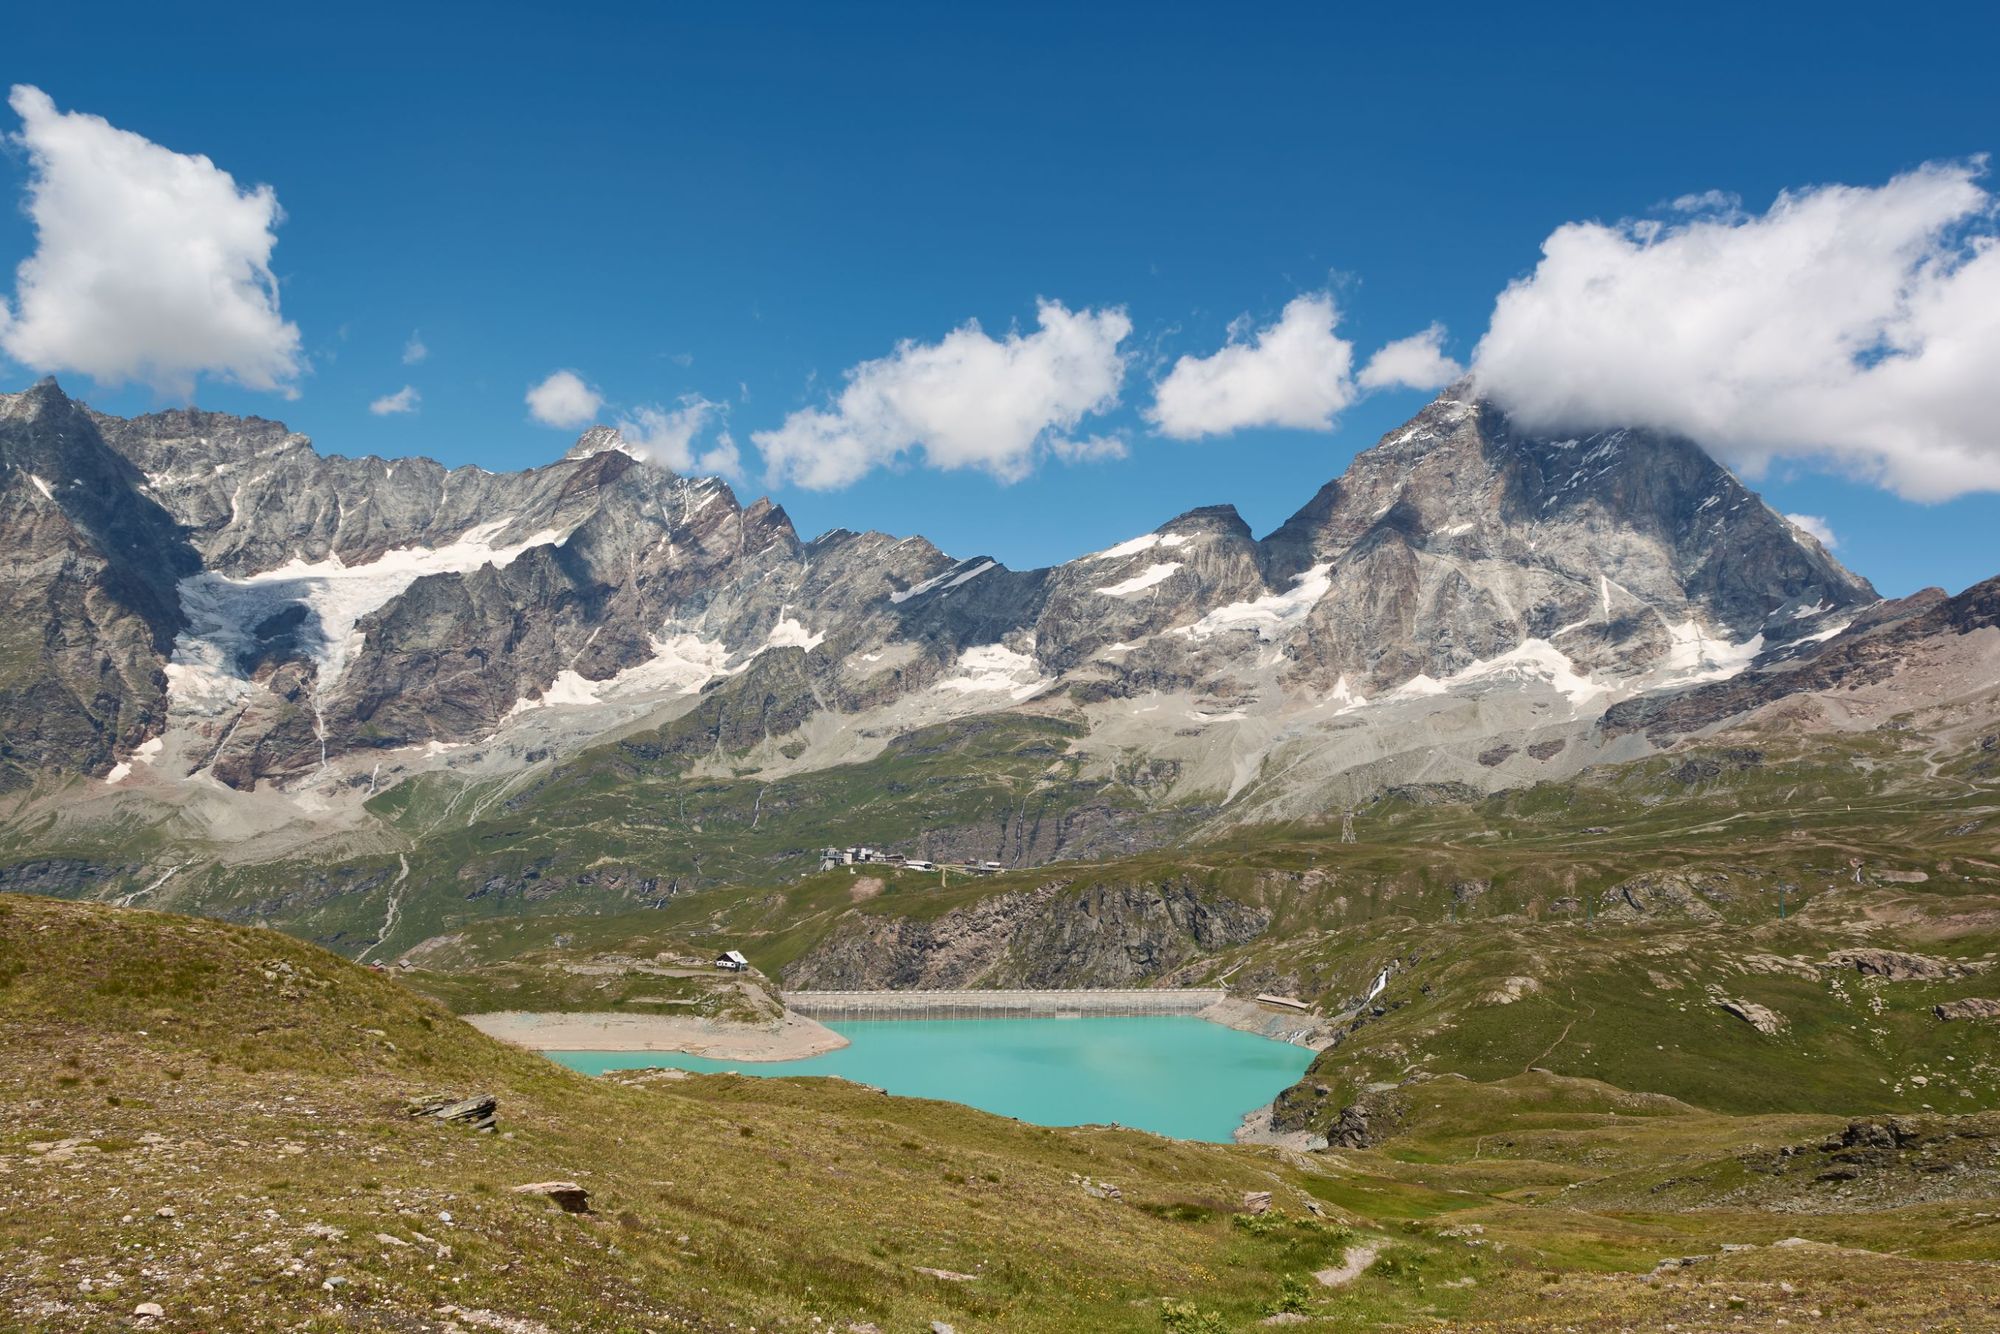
<point x="1175" y="1075"/>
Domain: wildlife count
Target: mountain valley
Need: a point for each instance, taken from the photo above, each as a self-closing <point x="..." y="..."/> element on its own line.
<point x="1628" y="864"/>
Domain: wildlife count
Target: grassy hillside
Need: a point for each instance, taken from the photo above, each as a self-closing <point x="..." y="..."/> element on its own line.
<point x="626" y="824"/>
<point x="211" y="1118"/>
<point x="644" y="822"/>
<point x="584" y="965"/>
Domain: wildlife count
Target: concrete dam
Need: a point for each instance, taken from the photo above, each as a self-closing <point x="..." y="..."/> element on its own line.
<point x="1103" y="1001"/>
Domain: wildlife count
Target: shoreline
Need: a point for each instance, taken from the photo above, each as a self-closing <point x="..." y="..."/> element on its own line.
<point x="792" y="1038"/>
<point x="1302" y="1029"/>
<point x="1256" y="1129"/>
<point x="1305" y="1030"/>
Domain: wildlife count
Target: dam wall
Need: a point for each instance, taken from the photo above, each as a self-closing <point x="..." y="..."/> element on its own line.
<point x="839" y="1005"/>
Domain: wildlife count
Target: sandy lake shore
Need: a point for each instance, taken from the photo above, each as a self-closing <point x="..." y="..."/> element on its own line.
<point x="1256" y="1129"/>
<point x="1300" y="1029"/>
<point x="789" y="1039"/>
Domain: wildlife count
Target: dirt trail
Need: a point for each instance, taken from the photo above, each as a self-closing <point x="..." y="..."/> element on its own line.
<point x="1352" y="1266"/>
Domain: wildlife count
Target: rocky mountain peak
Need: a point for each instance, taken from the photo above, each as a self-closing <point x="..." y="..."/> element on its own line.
<point x="1221" y="520"/>
<point x="596" y="440"/>
<point x="42" y="396"/>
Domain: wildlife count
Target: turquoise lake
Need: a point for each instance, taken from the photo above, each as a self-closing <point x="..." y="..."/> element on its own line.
<point x="1175" y="1075"/>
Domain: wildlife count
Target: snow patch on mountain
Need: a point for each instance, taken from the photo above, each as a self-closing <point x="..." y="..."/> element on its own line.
<point x="1141" y="543"/>
<point x="1343" y="697"/>
<point x="144" y="753"/>
<point x="1272" y="614"/>
<point x="788" y="633"/>
<point x="1141" y="581"/>
<point x="1534" y="660"/>
<point x="569" y="687"/>
<point x="950" y="579"/>
<point x="1421" y="685"/>
<point x="1695" y="655"/>
<point x="224" y="613"/>
<point x="970" y="574"/>
<point x="1820" y="636"/>
<point x="995" y="668"/>
<point x="681" y="664"/>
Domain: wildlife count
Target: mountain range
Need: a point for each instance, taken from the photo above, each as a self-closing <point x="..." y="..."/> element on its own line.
<point x="216" y="632"/>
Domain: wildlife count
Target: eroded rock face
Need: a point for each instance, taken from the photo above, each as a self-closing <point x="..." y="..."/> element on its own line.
<point x="1054" y="936"/>
<point x="88" y="606"/>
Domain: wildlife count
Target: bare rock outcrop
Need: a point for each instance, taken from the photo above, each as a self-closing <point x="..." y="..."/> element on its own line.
<point x="1057" y="935"/>
<point x="1762" y="1018"/>
<point x="1972" y="1007"/>
<point x="1667" y="895"/>
<point x="1899" y="966"/>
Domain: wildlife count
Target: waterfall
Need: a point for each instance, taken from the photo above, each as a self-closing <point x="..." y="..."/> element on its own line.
<point x="1381" y="981"/>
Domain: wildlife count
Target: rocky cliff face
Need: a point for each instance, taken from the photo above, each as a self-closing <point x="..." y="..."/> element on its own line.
<point x="88" y="603"/>
<point x="200" y="597"/>
<point x="1053" y="936"/>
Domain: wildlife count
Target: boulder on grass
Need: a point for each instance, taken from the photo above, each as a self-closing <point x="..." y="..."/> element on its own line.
<point x="573" y="1198"/>
<point x="1972" y="1007"/>
<point x="480" y="1111"/>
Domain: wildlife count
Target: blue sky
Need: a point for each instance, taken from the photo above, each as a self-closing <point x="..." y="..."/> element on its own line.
<point x="744" y="203"/>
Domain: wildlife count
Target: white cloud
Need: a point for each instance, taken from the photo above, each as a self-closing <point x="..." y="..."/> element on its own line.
<point x="1297" y="372"/>
<point x="967" y="400"/>
<point x="667" y="436"/>
<point x="1817" y="526"/>
<point x="149" y="265"/>
<point x="564" y="400"/>
<point x="1854" y="327"/>
<point x="724" y="460"/>
<point x="1708" y="201"/>
<point x="1090" y="449"/>
<point x="405" y="399"/>
<point x="414" y="350"/>
<point x="1416" y="362"/>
